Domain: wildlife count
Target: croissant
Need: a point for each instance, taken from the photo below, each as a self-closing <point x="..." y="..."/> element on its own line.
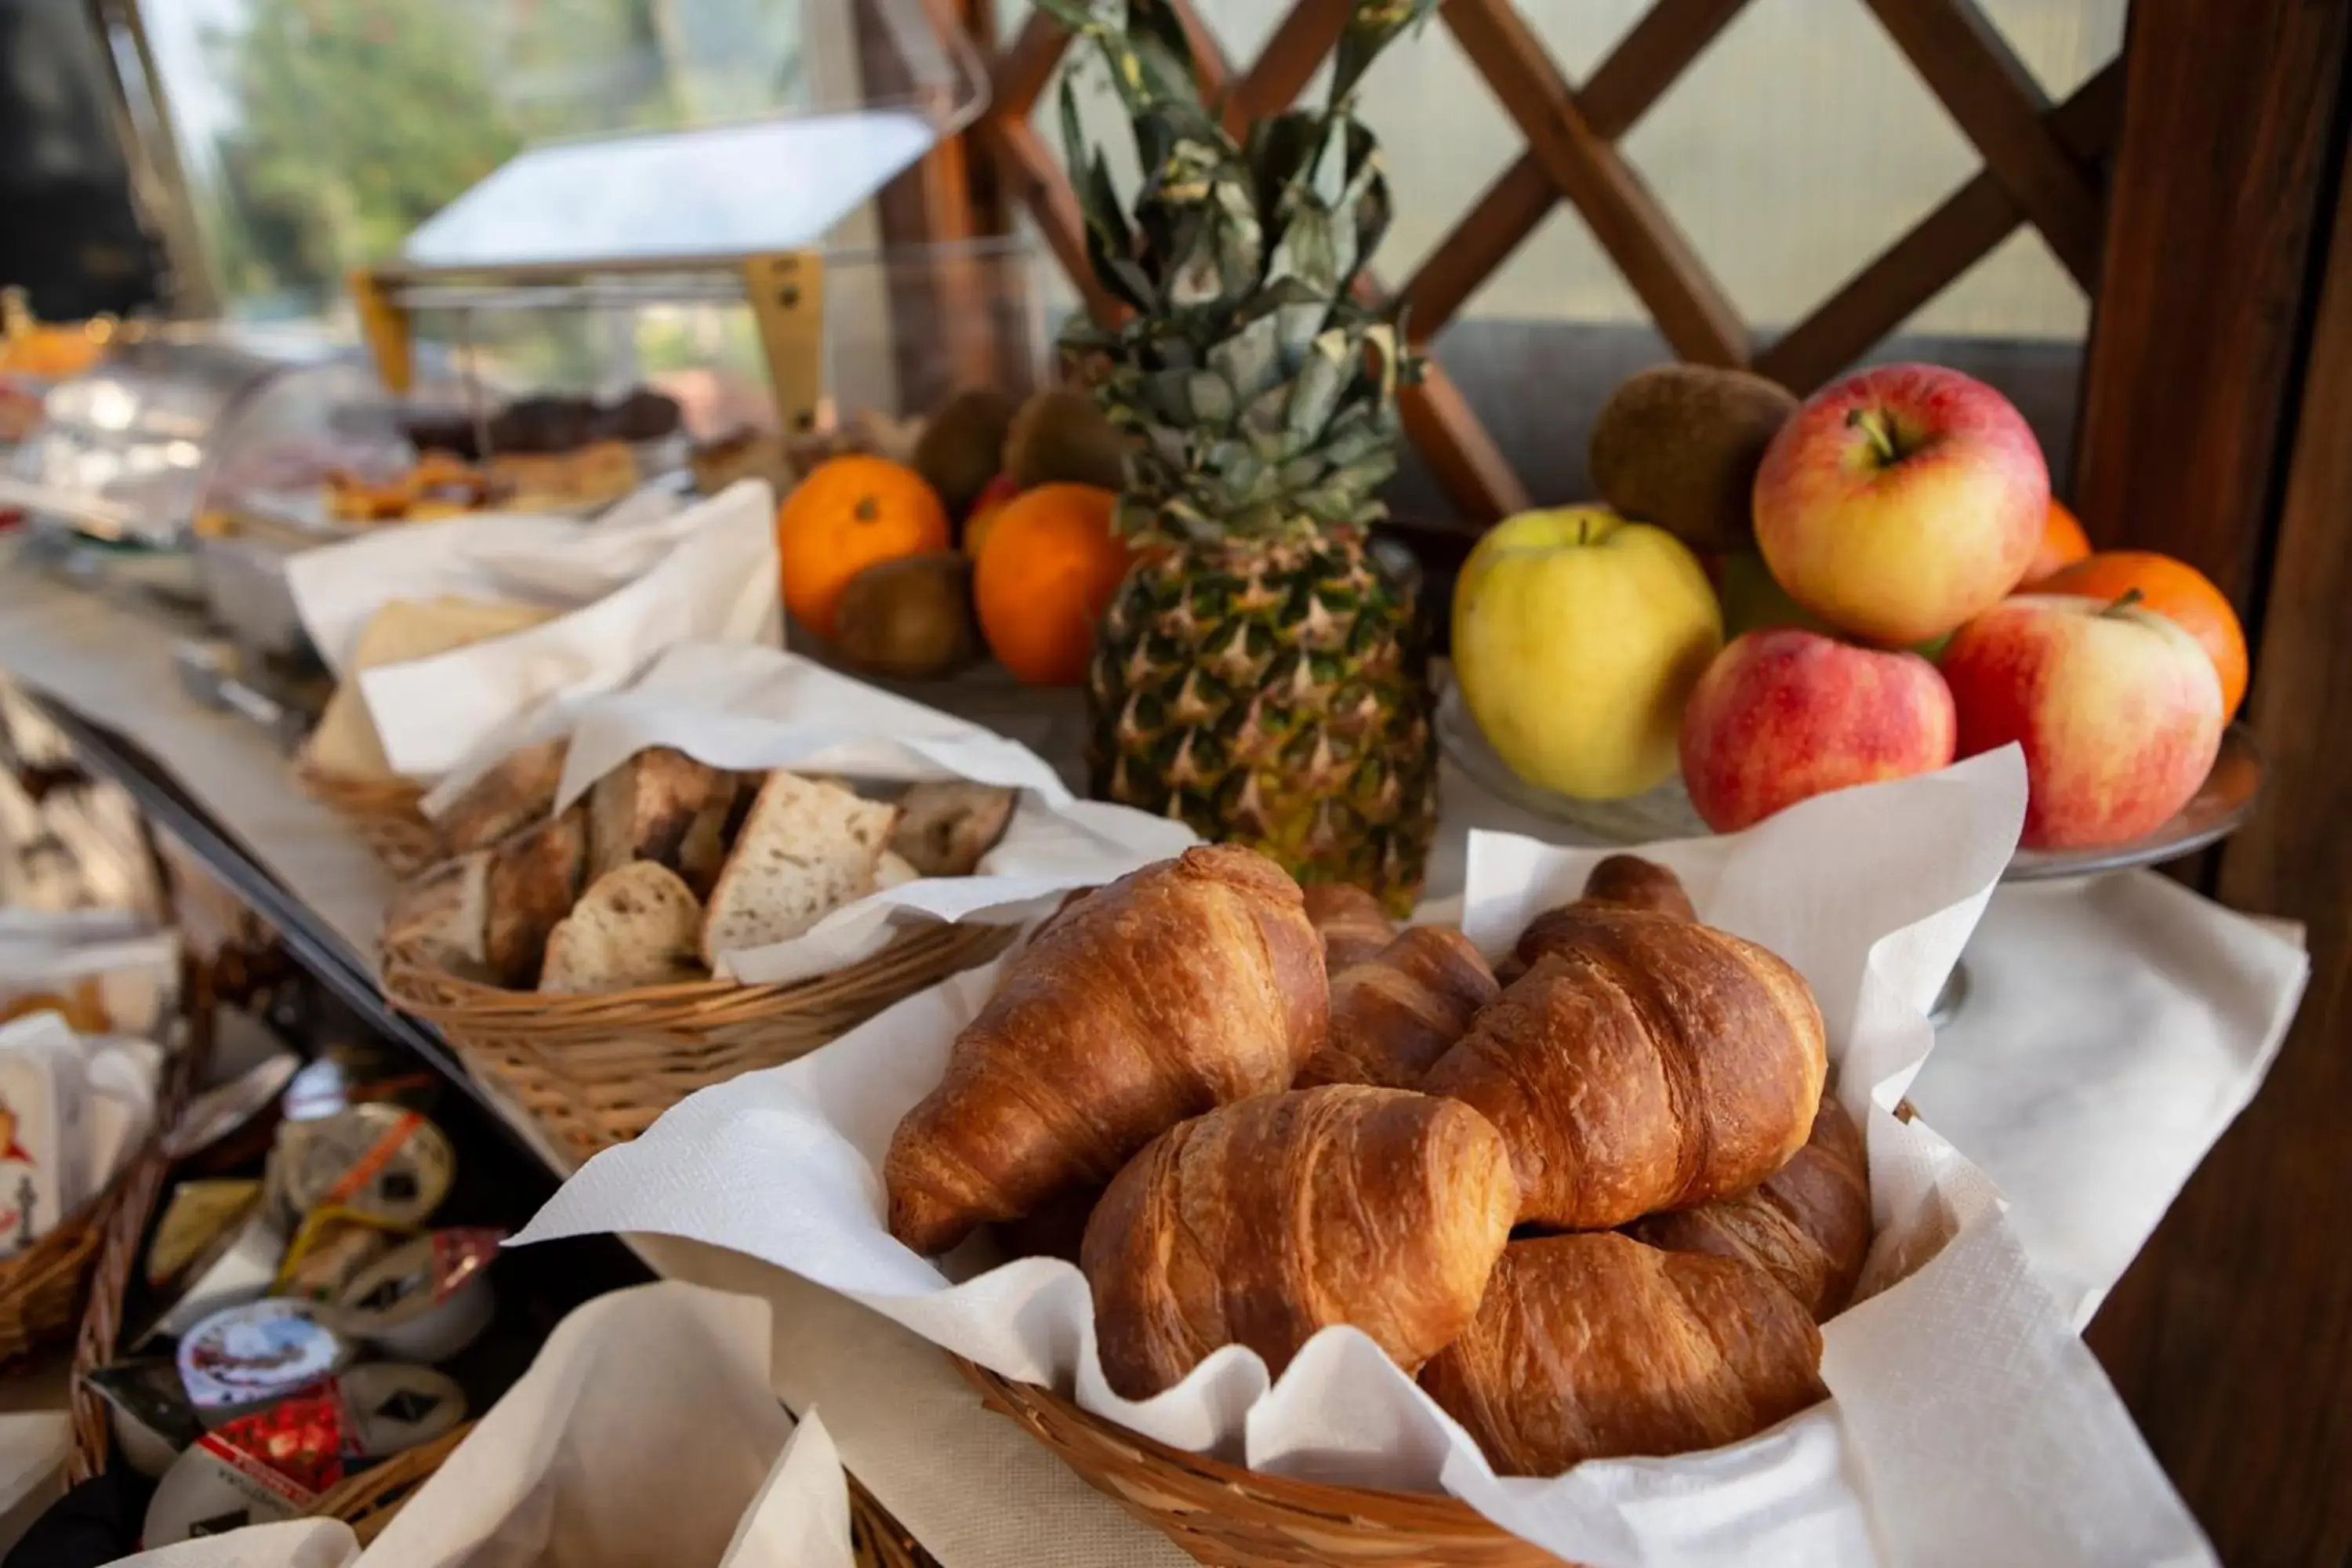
<point x="1807" y="1225"/>
<point x="1623" y="879"/>
<point x="1178" y="988"/>
<point x="1591" y="1347"/>
<point x="1643" y="1063"/>
<point x="1351" y="923"/>
<point x="1638" y="884"/>
<point x="1261" y="1223"/>
<point x="1393" y="1014"/>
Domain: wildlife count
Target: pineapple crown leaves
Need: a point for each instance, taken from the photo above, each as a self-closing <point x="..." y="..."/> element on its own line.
<point x="1263" y="393"/>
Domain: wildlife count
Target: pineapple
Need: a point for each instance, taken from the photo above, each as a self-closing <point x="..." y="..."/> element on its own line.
<point x="1260" y="673"/>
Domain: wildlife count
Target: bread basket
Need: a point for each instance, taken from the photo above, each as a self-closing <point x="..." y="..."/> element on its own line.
<point x="42" y="1289"/>
<point x="386" y="814"/>
<point x="593" y="1071"/>
<point x="1233" y="1517"/>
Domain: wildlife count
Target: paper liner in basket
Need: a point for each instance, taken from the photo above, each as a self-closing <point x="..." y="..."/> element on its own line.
<point x="1968" y="1424"/>
<point x="746" y="708"/>
<point x="637" y="581"/>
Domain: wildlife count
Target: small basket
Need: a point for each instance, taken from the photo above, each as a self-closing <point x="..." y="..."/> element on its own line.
<point x="115" y="1244"/>
<point x="387" y="815"/>
<point x="1233" y="1517"/>
<point x="42" y="1289"/>
<point x="594" y="1070"/>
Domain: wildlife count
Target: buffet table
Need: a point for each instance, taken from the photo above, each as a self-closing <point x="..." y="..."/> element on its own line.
<point x="2077" y="989"/>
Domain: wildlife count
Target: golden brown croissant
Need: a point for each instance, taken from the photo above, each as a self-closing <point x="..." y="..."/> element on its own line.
<point x="1638" y="884"/>
<point x="1263" y="1222"/>
<point x="1592" y="1347"/>
<point x="1394" y="1014"/>
<point x="1626" y="880"/>
<point x="1807" y="1225"/>
<point x="1351" y="923"/>
<point x="1180" y="987"/>
<point x="1643" y="1063"/>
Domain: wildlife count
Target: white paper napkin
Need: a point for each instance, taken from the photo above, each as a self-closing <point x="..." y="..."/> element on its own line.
<point x="706" y="572"/>
<point x="2165" y="1009"/>
<point x="750" y="708"/>
<point x="1870" y="893"/>
<point x="643" y="1432"/>
<point x="484" y="555"/>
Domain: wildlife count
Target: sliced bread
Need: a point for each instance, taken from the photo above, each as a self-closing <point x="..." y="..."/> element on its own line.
<point x="894" y="870"/>
<point x="806" y="848"/>
<point x="535" y="875"/>
<point x="646" y="808"/>
<point x="636" y="925"/>
<point x="944" y="828"/>
<point x="516" y="793"/>
<point x="443" y="914"/>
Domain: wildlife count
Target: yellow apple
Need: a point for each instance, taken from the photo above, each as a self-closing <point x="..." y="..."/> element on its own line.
<point x="1578" y="637"/>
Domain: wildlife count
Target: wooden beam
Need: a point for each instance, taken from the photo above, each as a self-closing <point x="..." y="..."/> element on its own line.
<point x="1627" y="220"/>
<point x="1514" y="207"/>
<point x="1304" y="36"/>
<point x="2000" y="106"/>
<point x="1019" y="77"/>
<point x="1209" y="68"/>
<point x="1459" y="451"/>
<point x="1638" y="72"/>
<point x="1936" y="252"/>
<point x="1037" y="183"/>
<point x="2228" y="115"/>
<point x="1651" y="58"/>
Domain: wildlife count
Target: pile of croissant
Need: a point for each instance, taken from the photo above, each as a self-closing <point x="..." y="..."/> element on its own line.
<point x="1598" y="1210"/>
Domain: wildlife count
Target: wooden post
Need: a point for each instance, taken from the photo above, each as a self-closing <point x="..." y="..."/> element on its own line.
<point x="2228" y="1337"/>
<point x="2228" y="110"/>
<point x="948" y="306"/>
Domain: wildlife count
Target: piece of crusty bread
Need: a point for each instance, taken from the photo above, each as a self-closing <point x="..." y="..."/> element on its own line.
<point x="442" y="915"/>
<point x="944" y="828"/>
<point x="894" y="870"/>
<point x="636" y="925"/>
<point x="345" y="740"/>
<point x="703" y="851"/>
<point x="516" y="793"/>
<point x="806" y="848"/>
<point x="646" y="808"/>
<point x="535" y="875"/>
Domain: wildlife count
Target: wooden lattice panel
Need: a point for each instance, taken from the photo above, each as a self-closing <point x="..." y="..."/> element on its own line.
<point x="2041" y="166"/>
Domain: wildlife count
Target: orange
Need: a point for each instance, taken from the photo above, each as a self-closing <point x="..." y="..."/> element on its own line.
<point x="1045" y="575"/>
<point x="994" y="498"/>
<point x="850" y="513"/>
<point x="2063" y="542"/>
<point x="2173" y="589"/>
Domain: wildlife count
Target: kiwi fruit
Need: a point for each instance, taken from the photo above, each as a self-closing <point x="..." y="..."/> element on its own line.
<point x="1063" y="436"/>
<point x="1678" y="445"/>
<point x="963" y="446"/>
<point x="910" y="618"/>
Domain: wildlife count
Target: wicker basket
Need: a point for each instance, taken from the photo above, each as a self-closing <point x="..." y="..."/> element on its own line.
<point x="42" y="1289"/>
<point x="594" y="1070"/>
<point x="386" y="813"/>
<point x="1233" y="1518"/>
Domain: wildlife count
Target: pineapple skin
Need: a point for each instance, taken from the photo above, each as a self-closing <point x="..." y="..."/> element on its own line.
<point x="1274" y="693"/>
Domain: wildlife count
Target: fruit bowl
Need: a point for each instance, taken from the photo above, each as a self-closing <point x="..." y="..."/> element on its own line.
<point x="2218" y="809"/>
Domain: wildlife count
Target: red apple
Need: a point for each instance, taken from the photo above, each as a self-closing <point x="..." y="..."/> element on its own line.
<point x="1898" y="502"/>
<point x="1784" y="715"/>
<point x="2118" y="710"/>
